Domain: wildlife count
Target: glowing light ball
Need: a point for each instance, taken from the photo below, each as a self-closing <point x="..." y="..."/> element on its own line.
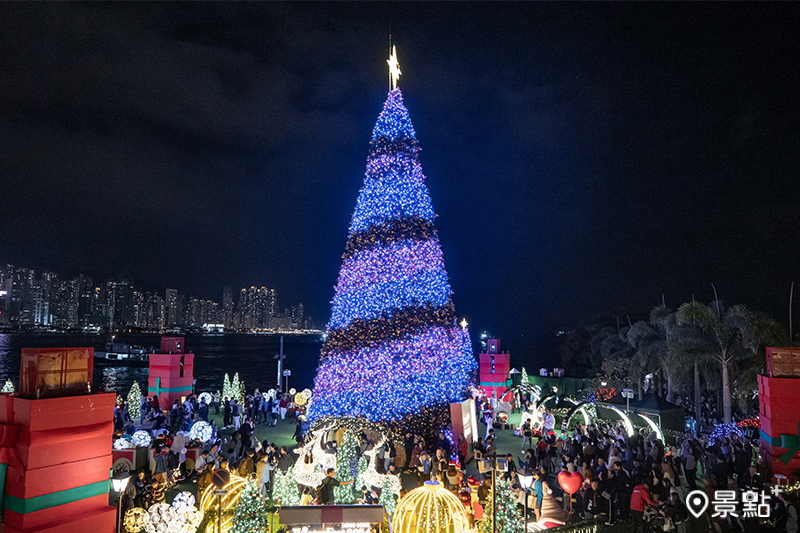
<point x="307" y="393"/>
<point x="135" y="520"/>
<point x="208" y="501"/>
<point x="300" y="399"/>
<point x="183" y="501"/>
<point x="123" y="444"/>
<point x="204" y="396"/>
<point x="158" y="518"/>
<point x="430" y="509"/>
<point x="200" y="431"/>
<point x="141" y="438"/>
<point x="292" y="391"/>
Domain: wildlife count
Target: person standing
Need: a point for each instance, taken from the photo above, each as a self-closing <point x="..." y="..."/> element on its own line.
<point x="226" y="413"/>
<point x="284" y="405"/>
<point x="236" y="413"/>
<point x="325" y="490"/>
<point x="527" y="434"/>
<point x="640" y="498"/>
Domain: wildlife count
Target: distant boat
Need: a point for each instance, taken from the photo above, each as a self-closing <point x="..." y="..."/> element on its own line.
<point x="121" y="354"/>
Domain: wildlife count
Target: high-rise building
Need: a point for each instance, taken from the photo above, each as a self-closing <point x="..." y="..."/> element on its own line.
<point x="123" y="300"/>
<point x="107" y="300"/>
<point x="228" y="311"/>
<point x="171" y="302"/>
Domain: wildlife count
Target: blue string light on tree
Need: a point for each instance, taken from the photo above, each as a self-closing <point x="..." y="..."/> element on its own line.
<point x="393" y="347"/>
<point x="722" y="431"/>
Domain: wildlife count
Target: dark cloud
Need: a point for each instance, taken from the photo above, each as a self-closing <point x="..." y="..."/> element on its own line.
<point x="581" y="157"/>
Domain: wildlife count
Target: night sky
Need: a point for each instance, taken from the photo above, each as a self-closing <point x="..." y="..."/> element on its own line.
<point x="582" y="158"/>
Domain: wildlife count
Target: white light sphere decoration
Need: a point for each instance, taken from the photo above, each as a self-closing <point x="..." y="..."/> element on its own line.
<point x="183" y="501"/>
<point x="123" y="444"/>
<point x="201" y="431"/>
<point x="307" y="393"/>
<point x="292" y="391"/>
<point x="141" y="439"/>
<point x="204" y="396"/>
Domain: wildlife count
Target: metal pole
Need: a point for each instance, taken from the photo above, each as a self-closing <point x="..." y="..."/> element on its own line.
<point x="219" y="514"/>
<point x="119" y="512"/>
<point x="280" y="364"/>
<point x="494" y="499"/>
<point x="526" y="510"/>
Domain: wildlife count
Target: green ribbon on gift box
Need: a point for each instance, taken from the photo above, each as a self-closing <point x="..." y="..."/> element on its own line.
<point x="793" y="443"/>
<point x="46" y="501"/>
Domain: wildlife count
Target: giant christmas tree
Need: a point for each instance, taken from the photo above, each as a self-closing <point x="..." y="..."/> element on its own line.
<point x="393" y="347"/>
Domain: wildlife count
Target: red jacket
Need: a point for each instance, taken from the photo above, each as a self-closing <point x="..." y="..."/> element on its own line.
<point x="639" y="498"/>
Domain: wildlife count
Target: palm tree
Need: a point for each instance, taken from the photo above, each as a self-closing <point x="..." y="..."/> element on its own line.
<point x="725" y="335"/>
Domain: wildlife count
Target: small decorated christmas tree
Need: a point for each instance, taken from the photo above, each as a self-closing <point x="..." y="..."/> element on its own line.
<point x="345" y="461"/>
<point x="361" y="469"/>
<point x="524" y="378"/>
<point x="134" y="401"/>
<point x="242" y="394"/>
<point x="387" y="497"/>
<point x="251" y="514"/>
<point x="237" y="390"/>
<point x="226" y="388"/>
<point x="507" y="517"/>
<point x="8" y="387"/>
<point x="284" y="490"/>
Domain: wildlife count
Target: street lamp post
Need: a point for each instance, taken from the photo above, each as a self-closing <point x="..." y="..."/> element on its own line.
<point x="120" y="482"/>
<point x="526" y="480"/>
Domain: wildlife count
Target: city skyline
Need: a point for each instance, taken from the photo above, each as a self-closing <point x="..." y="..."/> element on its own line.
<point x="583" y="159"/>
<point x="46" y="300"/>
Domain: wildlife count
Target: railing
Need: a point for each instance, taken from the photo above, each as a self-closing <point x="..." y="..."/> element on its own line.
<point x="586" y="526"/>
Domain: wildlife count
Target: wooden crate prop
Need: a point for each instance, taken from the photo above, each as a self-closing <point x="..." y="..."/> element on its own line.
<point x="55" y="372"/>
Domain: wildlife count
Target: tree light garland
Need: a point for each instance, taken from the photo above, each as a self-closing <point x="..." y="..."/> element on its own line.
<point x="135" y="401"/>
<point x="430" y="509"/>
<point x="393" y="347"/>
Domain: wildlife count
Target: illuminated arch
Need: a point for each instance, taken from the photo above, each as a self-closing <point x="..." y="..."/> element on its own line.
<point x="578" y="407"/>
<point x="625" y="419"/>
<point x="653" y="425"/>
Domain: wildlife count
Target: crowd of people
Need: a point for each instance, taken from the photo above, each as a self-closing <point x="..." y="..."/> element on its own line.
<point x="240" y="451"/>
<point x="637" y="478"/>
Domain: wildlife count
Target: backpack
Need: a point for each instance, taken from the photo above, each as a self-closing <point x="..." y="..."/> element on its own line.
<point x="321" y="490"/>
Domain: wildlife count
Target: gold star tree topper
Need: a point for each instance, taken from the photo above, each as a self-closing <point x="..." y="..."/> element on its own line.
<point x="394" y="67"/>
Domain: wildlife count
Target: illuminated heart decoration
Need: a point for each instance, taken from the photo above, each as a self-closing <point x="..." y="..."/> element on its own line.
<point x="570" y="482"/>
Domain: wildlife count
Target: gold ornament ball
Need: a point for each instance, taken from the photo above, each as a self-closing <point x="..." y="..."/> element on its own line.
<point x="135" y="519"/>
<point x="430" y="509"/>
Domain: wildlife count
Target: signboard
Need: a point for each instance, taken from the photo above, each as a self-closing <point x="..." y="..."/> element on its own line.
<point x="219" y="492"/>
<point x="220" y="478"/>
<point x="287" y="373"/>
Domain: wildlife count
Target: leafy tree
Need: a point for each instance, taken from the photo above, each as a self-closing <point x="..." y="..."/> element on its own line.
<point x="725" y="335"/>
